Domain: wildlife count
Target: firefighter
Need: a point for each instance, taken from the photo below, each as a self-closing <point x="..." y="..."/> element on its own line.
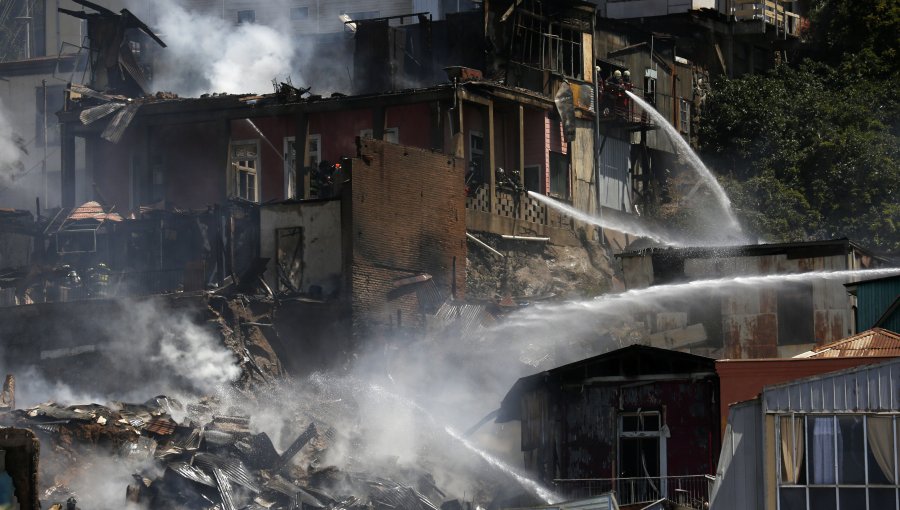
<point x="626" y="77"/>
<point x="616" y="78"/>
<point x="98" y="280"/>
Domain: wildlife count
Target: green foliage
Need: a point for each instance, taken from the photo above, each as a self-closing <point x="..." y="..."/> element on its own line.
<point x="812" y="151"/>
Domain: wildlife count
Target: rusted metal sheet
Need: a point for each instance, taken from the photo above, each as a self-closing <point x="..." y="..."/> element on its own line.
<point x="876" y="342"/>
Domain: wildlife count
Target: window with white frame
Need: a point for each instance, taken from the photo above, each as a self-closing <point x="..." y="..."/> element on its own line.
<point x="245" y="169"/>
<point x="641" y="456"/>
<point x="684" y="113"/>
<point x="313" y="150"/>
<point x="837" y="461"/>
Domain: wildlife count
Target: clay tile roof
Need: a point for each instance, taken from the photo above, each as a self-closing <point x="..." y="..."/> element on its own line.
<point x="873" y="343"/>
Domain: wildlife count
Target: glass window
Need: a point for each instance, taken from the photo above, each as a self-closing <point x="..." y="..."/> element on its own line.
<point x="820" y="437"/>
<point x="245" y="165"/>
<point x="851" y="450"/>
<point x="246" y="16"/>
<point x="853" y="498"/>
<point x="298" y="13"/>
<point x="880" y="450"/>
<point x="823" y="498"/>
<point x="850" y="462"/>
<point x="881" y="498"/>
<point x="559" y="174"/>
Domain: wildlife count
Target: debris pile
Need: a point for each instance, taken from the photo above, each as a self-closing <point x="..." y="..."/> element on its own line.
<point x="204" y="460"/>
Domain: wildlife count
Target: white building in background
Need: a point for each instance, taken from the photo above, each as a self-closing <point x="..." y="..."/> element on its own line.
<point x="40" y="51"/>
<point x="324" y="16"/>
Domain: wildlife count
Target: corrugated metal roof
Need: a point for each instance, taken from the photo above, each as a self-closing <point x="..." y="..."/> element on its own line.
<point x="92" y="211"/>
<point x="874" y="343"/>
<point x="870" y="388"/>
<point x="467" y="318"/>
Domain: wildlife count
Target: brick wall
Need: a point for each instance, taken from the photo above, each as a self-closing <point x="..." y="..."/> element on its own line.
<point x="408" y="218"/>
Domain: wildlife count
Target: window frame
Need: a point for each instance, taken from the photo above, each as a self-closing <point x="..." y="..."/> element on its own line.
<point x="837" y="485"/>
<point x="294" y="13"/>
<point x="391" y="134"/>
<point x="482" y="176"/>
<point x="551" y="191"/>
<point x="243" y="13"/>
<point x="290" y="163"/>
<point x="236" y="171"/>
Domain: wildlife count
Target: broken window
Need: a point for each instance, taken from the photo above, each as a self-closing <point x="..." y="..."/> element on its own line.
<point x="475" y="173"/>
<point x="533" y="178"/>
<point x="795" y="314"/>
<point x="246" y="16"/>
<point x="245" y="165"/>
<point x="559" y="175"/>
<point x="391" y="135"/>
<point x="362" y="14"/>
<point x="640" y="449"/>
<point x="650" y="86"/>
<point x="685" y="116"/>
<point x="289" y="258"/>
<point x="313" y="152"/>
<point x="549" y="40"/>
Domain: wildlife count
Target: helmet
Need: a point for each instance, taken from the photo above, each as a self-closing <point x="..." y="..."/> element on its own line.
<point x="617" y="74"/>
<point x="627" y="73"/>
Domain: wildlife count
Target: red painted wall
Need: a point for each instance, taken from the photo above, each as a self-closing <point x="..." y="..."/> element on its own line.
<point x="741" y="380"/>
<point x="339" y="131"/>
<point x="194" y="174"/>
<point x="535" y="143"/>
<point x="111" y="164"/>
<point x="413" y="122"/>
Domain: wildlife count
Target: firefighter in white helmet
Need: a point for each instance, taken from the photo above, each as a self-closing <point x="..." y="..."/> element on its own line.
<point x="616" y="78"/>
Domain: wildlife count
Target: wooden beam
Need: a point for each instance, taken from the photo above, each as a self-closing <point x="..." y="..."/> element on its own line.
<point x="520" y="121"/>
<point x="301" y="155"/>
<point x="489" y="139"/>
<point x="67" y="184"/>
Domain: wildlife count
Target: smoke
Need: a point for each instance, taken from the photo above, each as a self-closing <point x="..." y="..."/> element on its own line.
<point x="135" y="350"/>
<point x="206" y="53"/>
<point x="12" y="148"/>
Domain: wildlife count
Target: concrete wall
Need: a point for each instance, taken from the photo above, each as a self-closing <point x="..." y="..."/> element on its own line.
<point x="409" y="218"/>
<point x="749" y="325"/>
<point x="321" y="254"/>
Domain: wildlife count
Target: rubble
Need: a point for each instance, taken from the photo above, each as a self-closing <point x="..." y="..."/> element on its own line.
<point x="204" y="460"/>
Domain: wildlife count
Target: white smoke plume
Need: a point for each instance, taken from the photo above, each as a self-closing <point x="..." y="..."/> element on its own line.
<point x="12" y="148"/>
<point x="207" y="53"/>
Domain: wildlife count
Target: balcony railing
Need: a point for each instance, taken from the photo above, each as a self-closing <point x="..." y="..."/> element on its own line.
<point x="689" y="491"/>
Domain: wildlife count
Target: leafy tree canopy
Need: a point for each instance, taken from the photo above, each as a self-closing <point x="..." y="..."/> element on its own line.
<point x="812" y="150"/>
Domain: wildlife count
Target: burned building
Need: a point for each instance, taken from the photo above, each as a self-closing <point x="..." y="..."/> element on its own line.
<point x="765" y="322"/>
<point x="640" y="421"/>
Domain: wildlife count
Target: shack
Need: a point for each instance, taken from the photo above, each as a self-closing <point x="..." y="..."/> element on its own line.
<point x="641" y="421"/>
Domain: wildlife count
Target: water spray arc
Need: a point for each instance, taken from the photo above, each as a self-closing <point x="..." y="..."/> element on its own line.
<point x="696" y="163"/>
<point x="530" y="485"/>
<point x="626" y="227"/>
<point x="616" y="304"/>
